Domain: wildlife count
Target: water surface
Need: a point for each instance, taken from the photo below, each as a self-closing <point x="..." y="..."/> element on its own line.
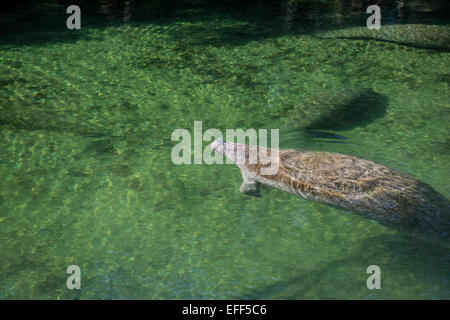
<point x="86" y="176"/>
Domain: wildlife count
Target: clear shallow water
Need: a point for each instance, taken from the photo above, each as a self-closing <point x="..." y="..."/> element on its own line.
<point x="86" y="176"/>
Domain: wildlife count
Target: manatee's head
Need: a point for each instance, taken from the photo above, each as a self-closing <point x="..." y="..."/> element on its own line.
<point x="238" y="153"/>
<point x="258" y="159"/>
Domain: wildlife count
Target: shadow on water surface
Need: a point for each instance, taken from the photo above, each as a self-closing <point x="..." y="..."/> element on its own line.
<point x="343" y="109"/>
<point x="361" y="109"/>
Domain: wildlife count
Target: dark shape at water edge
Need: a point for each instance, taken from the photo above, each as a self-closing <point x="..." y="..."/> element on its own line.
<point x="424" y="5"/>
<point x="40" y="22"/>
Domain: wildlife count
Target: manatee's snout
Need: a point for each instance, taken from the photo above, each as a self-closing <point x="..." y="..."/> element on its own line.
<point x="233" y="151"/>
<point x="244" y="155"/>
<point x="218" y="146"/>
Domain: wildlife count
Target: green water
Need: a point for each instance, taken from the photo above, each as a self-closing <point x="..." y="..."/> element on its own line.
<point x="86" y="176"/>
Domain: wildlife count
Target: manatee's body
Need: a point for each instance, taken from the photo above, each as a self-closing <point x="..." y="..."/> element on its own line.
<point x="388" y="196"/>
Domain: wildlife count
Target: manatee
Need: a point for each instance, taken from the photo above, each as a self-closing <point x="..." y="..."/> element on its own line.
<point x="391" y="197"/>
<point x="414" y="35"/>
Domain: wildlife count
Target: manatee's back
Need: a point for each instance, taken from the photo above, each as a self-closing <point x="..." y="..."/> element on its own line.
<point x="389" y="196"/>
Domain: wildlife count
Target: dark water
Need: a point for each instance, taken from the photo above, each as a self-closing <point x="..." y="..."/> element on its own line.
<point x="86" y="176"/>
